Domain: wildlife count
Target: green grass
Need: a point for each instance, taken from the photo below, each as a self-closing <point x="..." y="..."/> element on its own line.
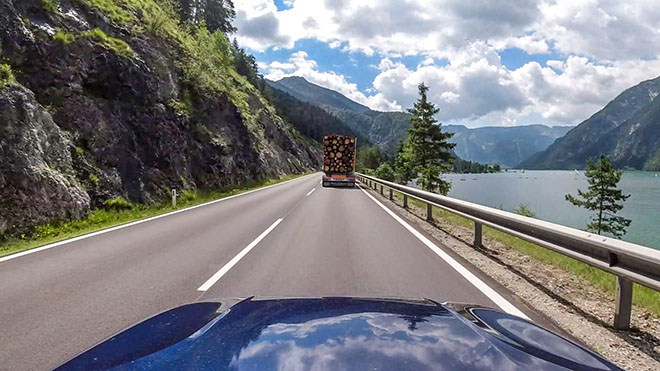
<point x="49" y="5"/>
<point x="119" y="46"/>
<point x="119" y="211"/>
<point x="6" y="75"/>
<point x="642" y="296"/>
<point x="64" y="37"/>
<point x="111" y="9"/>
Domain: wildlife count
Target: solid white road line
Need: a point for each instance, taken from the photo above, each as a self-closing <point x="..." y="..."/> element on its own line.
<point x="211" y="281"/>
<point x="474" y="280"/>
<point x="50" y="246"/>
<point x="310" y="192"/>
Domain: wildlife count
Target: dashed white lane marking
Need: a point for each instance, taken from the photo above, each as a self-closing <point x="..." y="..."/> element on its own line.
<point x="310" y="192"/>
<point x="211" y="281"/>
<point x="474" y="280"/>
<point x="108" y="230"/>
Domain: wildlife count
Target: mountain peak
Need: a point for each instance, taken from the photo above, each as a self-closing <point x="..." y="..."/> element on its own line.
<point x="293" y="78"/>
<point x="306" y="91"/>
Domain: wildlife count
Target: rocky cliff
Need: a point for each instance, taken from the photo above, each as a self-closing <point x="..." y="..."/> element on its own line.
<point x="116" y="98"/>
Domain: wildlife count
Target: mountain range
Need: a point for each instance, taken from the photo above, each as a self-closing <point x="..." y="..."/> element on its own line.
<point x="506" y="146"/>
<point x="627" y="130"/>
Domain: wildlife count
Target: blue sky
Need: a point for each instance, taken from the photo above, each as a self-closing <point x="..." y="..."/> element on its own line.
<point x="360" y="68"/>
<point x="488" y="62"/>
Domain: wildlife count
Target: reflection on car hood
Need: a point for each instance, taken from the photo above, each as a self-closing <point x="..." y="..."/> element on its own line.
<point x="336" y="334"/>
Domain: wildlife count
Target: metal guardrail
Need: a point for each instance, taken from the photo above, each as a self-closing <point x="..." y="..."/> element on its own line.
<point x="629" y="262"/>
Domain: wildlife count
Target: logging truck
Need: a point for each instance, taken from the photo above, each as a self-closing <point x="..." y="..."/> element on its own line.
<point x="338" y="160"/>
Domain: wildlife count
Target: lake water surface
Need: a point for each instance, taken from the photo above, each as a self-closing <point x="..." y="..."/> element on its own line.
<point x="543" y="192"/>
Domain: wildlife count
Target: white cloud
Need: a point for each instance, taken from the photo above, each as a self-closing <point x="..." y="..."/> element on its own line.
<point x="260" y="26"/>
<point x="606" y="29"/>
<point x="428" y="62"/>
<point x="470" y="86"/>
<point x="600" y="47"/>
<point x="478" y="88"/>
<point x="532" y="44"/>
<point x="581" y="88"/>
<point x="299" y="65"/>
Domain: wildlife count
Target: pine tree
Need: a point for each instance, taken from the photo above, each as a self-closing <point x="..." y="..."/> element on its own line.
<point x="604" y="198"/>
<point x="403" y="165"/>
<point x="429" y="144"/>
<point x="216" y="14"/>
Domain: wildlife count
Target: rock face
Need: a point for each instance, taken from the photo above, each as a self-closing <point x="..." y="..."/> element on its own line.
<point x="116" y="125"/>
<point x="37" y="179"/>
<point x="627" y="130"/>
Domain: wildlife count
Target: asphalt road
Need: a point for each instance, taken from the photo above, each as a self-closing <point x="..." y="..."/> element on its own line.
<point x="279" y="241"/>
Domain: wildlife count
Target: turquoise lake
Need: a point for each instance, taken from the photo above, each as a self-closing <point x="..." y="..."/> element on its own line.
<point x="543" y="192"/>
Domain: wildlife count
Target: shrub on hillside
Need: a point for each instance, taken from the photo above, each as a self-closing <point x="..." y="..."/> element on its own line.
<point x="117" y="204"/>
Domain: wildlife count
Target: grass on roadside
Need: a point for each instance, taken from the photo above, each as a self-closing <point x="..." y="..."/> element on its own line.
<point x="642" y="296"/>
<point x="118" y="211"/>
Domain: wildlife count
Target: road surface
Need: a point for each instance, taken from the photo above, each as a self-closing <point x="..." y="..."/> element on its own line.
<point x="291" y="239"/>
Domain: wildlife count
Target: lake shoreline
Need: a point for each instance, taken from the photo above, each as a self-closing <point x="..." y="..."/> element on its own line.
<point x="543" y="192"/>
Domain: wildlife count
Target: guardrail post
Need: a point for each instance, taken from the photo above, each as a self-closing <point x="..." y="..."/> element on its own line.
<point x="429" y="212"/>
<point x="624" y="290"/>
<point x="173" y="197"/>
<point x="477" y="235"/>
<point x="405" y="201"/>
<point x="381" y="189"/>
<point x="391" y="195"/>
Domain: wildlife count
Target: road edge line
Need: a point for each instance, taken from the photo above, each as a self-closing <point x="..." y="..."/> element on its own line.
<point x="140" y="221"/>
<point x="493" y="295"/>
<point x="230" y="264"/>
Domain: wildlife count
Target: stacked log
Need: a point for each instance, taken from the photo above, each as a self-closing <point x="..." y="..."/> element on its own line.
<point x="338" y="154"/>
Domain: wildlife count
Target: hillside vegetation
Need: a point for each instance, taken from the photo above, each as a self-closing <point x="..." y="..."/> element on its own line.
<point x="106" y="99"/>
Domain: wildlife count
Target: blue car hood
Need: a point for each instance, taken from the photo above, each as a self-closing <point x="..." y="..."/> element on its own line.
<point x="337" y="334"/>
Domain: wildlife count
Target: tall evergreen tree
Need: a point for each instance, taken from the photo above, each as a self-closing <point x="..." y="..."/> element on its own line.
<point x="429" y="144"/>
<point x="404" y="168"/>
<point x="603" y="197"/>
<point x="246" y="65"/>
<point x="217" y="14"/>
